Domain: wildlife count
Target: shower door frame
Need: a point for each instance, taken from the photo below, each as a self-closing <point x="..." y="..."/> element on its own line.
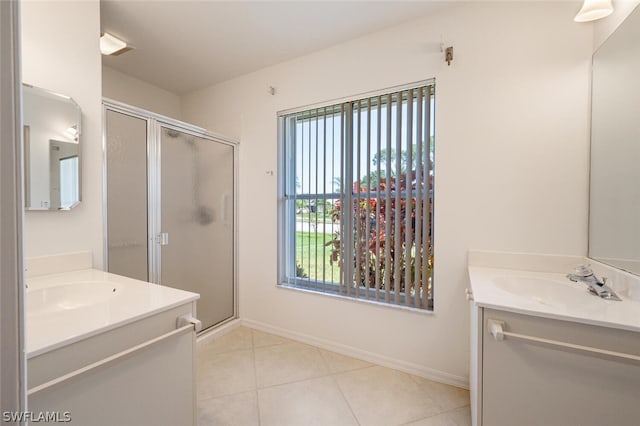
<point x="155" y="122"/>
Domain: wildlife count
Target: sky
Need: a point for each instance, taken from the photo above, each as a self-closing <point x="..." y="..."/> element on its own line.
<point x="318" y="143"/>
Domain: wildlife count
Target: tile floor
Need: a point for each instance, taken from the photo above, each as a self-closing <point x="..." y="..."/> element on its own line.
<point x="247" y="377"/>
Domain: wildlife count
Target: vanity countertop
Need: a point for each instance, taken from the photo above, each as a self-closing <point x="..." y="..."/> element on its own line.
<point x="550" y="295"/>
<point x="67" y="307"/>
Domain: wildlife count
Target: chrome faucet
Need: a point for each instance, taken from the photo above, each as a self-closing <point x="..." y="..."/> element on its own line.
<point x="584" y="274"/>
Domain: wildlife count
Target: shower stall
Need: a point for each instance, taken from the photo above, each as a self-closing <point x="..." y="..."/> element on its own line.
<point x="170" y="207"/>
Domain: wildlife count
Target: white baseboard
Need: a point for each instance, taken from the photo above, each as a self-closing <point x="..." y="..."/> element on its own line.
<point x="219" y="331"/>
<point x="407" y="367"/>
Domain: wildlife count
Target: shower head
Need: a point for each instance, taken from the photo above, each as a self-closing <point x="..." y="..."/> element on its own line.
<point x="190" y="140"/>
<point x="173" y="133"/>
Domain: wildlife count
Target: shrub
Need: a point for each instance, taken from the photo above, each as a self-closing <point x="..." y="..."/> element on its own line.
<point x="371" y="244"/>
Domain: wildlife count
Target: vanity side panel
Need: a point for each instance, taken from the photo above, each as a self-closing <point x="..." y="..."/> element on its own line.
<point x="524" y="383"/>
<point x="475" y="376"/>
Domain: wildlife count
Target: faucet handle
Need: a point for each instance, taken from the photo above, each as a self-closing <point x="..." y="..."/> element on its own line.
<point x="584" y="270"/>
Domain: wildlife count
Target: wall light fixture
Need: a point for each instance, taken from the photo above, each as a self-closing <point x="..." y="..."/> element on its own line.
<point x="594" y="9"/>
<point x="112" y="45"/>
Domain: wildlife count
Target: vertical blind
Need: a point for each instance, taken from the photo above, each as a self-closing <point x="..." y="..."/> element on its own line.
<point x="357" y="210"/>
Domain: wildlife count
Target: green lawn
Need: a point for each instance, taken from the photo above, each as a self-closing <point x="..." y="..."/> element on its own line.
<point x="311" y="217"/>
<point x="310" y="248"/>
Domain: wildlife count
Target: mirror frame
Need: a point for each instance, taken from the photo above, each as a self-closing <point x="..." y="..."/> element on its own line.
<point x="27" y="142"/>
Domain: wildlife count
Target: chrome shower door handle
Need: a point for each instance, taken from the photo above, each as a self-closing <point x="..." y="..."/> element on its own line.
<point x="163" y="238"/>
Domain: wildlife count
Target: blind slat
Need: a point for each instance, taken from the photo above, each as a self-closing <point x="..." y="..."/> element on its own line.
<point x="333" y="180"/>
<point x="356" y="210"/>
<point x="343" y="278"/>
<point x="315" y="208"/>
<point x="367" y="232"/>
<point x="292" y="272"/>
<point x="418" y="219"/>
<point x="309" y="251"/>
<point x="302" y="156"/>
<point x="378" y="200"/>
<point x="397" y="236"/>
<point x="324" y="204"/>
<point x="347" y="208"/>
<point x="387" y="210"/>
<point x="408" y="241"/>
<point x="426" y="217"/>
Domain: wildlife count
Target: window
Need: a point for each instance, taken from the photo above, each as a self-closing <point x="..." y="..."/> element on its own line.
<point x="356" y="198"/>
<point x="69" y="188"/>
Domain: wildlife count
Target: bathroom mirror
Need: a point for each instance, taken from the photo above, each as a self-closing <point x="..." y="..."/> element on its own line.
<point x="614" y="212"/>
<point x="52" y="157"/>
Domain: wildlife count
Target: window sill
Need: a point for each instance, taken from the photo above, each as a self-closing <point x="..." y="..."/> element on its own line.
<point x="405" y="308"/>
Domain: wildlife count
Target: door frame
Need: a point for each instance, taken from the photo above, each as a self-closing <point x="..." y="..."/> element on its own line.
<point x="154" y="124"/>
<point x="13" y="378"/>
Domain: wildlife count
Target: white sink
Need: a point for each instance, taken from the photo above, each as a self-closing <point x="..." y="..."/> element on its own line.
<point x="545" y="291"/>
<point x="70" y="296"/>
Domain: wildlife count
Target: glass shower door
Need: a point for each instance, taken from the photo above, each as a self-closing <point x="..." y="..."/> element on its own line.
<point x="196" y="218"/>
<point x="126" y="157"/>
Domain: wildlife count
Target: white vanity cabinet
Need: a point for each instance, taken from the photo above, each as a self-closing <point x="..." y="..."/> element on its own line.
<point x="106" y="350"/>
<point x="549" y="371"/>
<point x="139" y="374"/>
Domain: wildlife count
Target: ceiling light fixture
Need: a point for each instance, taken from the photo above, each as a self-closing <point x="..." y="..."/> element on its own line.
<point x="112" y="45"/>
<point x="72" y="132"/>
<point x="594" y="9"/>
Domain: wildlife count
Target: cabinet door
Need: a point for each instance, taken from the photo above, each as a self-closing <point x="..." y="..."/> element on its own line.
<point x="524" y="383"/>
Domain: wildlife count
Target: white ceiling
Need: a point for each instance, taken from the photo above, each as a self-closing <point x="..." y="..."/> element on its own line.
<point x="185" y="45"/>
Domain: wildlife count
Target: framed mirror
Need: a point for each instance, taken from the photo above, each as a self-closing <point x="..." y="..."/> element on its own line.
<point x="614" y="211"/>
<point x="52" y="150"/>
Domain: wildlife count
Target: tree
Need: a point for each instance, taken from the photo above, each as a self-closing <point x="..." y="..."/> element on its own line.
<point x="380" y="158"/>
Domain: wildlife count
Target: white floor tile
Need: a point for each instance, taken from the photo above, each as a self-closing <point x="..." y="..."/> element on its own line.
<point x="240" y="409"/>
<point x="458" y="417"/>
<point x="311" y="402"/>
<point x="235" y="340"/>
<point x="288" y="362"/>
<point x="248" y="377"/>
<point x="381" y="396"/>
<point x="338" y="363"/>
<point x="225" y="374"/>
<point x="448" y="397"/>
<point x="261" y="339"/>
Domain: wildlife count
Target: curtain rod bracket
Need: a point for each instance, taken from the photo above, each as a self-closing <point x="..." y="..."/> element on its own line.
<point x="448" y="55"/>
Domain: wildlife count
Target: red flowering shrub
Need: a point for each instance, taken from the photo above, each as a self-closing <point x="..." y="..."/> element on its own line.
<point x="390" y="251"/>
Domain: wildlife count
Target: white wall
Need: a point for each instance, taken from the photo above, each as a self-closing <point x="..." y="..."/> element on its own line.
<point x="511" y="163"/>
<point x="603" y="28"/>
<point x="60" y="52"/>
<point x="130" y="90"/>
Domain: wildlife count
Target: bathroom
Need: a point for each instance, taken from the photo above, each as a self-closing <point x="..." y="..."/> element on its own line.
<point x="512" y="154"/>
